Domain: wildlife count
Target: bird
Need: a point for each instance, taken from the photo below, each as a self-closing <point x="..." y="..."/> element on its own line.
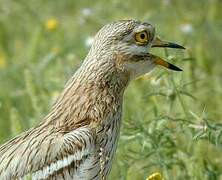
<point x="78" y="138"/>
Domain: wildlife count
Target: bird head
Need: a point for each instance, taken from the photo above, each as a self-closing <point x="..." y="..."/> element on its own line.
<point x="129" y="41"/>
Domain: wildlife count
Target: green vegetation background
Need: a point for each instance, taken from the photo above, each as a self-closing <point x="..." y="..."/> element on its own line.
<point x="171" y="122"/>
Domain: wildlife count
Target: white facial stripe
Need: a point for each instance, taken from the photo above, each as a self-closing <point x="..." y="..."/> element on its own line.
<point x="137" y="50"/>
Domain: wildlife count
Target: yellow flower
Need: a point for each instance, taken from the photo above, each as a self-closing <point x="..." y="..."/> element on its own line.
<point x="155" y="176"/>
<point x="51" y="24"/>
<point x="3" y="62"/>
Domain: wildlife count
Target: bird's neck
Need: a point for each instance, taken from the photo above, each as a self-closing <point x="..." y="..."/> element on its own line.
<point x="90" y="96"/>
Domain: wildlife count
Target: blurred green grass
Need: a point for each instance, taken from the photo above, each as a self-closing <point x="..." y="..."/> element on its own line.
<point x="172" y="121"/>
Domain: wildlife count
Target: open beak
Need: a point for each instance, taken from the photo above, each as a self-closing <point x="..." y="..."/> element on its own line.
<point x="159" y="61"/>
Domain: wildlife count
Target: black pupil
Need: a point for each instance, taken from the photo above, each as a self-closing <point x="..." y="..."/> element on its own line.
<point x="142" y="36"/>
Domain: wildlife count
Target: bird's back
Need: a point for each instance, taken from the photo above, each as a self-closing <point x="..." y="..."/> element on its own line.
<point x="44" y="153"/>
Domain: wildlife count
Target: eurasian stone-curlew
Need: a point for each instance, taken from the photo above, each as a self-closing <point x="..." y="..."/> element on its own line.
<point x="78" y="138"/>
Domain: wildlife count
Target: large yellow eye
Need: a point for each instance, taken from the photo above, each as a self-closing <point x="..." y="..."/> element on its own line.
<point x="142" y="38"/>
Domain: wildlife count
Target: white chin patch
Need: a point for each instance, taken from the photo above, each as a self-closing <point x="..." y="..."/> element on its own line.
<point x="139" y="68"/>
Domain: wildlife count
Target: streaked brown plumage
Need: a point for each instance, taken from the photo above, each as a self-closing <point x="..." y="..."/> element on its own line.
<point x="78" y="138"/>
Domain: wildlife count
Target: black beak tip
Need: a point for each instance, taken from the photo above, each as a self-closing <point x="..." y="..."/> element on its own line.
<point x="176" y="46"/>
<point x="175" y="68"/>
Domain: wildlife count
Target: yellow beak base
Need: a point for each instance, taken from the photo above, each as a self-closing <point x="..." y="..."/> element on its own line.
<point x="161" y="62"/>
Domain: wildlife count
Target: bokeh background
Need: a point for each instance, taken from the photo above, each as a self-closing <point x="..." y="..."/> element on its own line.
<point x="172" y="121"/>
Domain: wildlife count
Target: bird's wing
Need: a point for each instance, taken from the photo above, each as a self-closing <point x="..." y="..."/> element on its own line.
<point x="41" y="154"/>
